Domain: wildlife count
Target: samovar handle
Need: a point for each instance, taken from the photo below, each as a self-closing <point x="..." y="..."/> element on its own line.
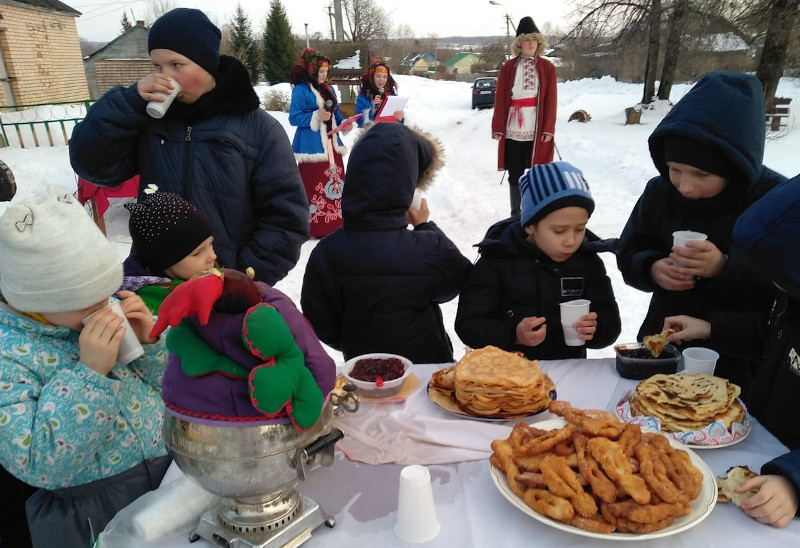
<point x="322" y="446"/>
<point x="345" y="402"/>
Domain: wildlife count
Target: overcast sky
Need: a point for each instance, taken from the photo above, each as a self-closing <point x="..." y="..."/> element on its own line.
<point x="101" y="18"/>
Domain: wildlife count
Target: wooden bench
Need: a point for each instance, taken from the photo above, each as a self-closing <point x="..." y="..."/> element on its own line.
<point x="777" y="113"/>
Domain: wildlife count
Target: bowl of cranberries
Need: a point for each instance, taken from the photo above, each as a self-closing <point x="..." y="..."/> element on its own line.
<point x="377" y="375"/>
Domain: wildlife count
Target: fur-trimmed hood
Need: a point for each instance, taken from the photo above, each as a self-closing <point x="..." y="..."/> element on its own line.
<point x="516" y="45"/>
<point x="387" y="164"/>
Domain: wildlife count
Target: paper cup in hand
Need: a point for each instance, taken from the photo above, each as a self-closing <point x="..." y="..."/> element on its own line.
<point x="416" y="203"/>
<point x="571" y="312"/>
<point x="157" y="109"/>
<point x="130" y="348"/>
<point x="699" y="360"/>
<point x="416" y="514"/>
<point x="680" y="237"/>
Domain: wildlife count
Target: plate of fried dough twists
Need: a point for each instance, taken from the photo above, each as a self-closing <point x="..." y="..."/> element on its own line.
<point x="592" y="475"/>
<point x="492" y="384"/>
<point x="702" y="411"/>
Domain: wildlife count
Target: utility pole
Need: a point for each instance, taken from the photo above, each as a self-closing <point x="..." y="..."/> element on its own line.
<point x="337" y="16"/>
<point x="509" y="24"/>
<point x="330" y="19"/>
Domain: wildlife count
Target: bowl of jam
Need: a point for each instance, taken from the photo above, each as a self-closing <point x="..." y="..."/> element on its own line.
<point x="377" y="375"/>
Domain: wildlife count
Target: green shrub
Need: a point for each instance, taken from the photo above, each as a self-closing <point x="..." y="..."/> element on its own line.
<point x="277" y="101"/>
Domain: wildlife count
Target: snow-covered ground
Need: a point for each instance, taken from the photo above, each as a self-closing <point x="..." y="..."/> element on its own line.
<point x="467" y="196"/>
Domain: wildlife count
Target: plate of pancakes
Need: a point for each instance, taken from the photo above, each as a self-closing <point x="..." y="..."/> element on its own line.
<point x="702" y="411"/>
<point x="492" y="384"/>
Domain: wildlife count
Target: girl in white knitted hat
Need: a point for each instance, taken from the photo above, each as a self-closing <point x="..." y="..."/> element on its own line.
<point x="83" y="428"/>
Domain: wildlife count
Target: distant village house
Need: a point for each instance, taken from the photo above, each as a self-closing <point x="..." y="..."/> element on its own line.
<point x="121" y="62"/>
<point x="462" y="63"/>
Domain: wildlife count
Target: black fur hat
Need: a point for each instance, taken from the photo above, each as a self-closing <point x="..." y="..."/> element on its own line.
<point x="526" y="26"/>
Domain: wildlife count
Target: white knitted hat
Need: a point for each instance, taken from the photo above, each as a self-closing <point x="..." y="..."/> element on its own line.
<point x="53" y="258"/>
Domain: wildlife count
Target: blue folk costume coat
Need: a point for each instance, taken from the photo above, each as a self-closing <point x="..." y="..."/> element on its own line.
<point x="319" y="157"/>
<point x="724" y="110"/>
<point x="223" y="153"/>
<point x="310" y="143"/>
<point x="374" y="285"/>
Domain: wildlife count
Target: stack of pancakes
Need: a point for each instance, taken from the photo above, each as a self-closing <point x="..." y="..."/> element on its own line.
<point x="685" y="403"/>
<point x="491" y="382"/>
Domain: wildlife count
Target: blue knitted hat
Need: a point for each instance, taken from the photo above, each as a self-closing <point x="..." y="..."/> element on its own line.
<point x="188" y="32"/>
<point x="547" y="187"/>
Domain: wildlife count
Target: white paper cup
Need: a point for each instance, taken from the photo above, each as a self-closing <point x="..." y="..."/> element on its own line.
<point x="699" y="360"/>
<point x="158" y="109"/>
<point x="130" y="348"/>
<point x="416" y="203"/>
<point x="416" y="514"/>
<point x="680" y="237"/>
<point x="571" y="312"/>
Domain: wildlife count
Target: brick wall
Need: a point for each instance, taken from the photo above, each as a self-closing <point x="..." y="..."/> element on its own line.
<point x="42" y="56"/>
<point x="121" y="72"/>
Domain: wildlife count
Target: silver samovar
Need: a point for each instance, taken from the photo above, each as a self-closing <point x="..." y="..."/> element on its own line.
<point x="255" y="468"/>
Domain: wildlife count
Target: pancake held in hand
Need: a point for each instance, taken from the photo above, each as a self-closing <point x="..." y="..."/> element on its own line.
<point x="727" y="486"/>
<point x="686" y="403"/>
<point x="491" y="382"/>
<point x="656" y="343"/>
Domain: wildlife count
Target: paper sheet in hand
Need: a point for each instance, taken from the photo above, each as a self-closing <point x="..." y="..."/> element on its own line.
<point x="345" y="124"/>
<point x="392" y="104"/>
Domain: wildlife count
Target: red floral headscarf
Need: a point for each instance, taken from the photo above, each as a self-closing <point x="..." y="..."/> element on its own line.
<point x="307" y="70"/>
<point x="307" y="67"/>
<point x="368" y="80"/>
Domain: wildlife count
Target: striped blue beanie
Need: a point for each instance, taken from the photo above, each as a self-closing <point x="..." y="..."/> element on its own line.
<point x="547" y="187"/>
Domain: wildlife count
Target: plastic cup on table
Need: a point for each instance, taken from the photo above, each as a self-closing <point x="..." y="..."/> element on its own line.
<point x="416" y="513"/>
<point x="130" y="348"/>
<point x="679" y="239"/>
<point x="571" y="312"/>
<point x="699" y="360"/>
<point x="157" y="109"/>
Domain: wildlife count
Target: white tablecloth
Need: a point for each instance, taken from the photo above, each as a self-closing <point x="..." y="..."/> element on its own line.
<point x="363" y="497"/>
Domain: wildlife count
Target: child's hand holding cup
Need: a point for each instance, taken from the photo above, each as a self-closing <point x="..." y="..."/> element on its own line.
<point x="130" y="348"/>
<point x="157" y="109"/>
<point x="571" y="312"/>
<point x="681" y="237"/>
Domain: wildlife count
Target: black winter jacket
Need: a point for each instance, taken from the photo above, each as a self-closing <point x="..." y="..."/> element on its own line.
<point x="223" y="154"/>
<point x="374" y="285"/>
<point x="724" y="110"/>
<point x="513" y="280"/>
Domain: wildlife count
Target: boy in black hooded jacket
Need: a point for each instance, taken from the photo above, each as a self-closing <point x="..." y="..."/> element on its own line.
<point x="532" y="263"/>
<point x="708" y="151"/>
<point x="374" y="285"/>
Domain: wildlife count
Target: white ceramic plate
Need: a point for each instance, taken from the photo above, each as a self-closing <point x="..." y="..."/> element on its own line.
<point x="701" y="506"/>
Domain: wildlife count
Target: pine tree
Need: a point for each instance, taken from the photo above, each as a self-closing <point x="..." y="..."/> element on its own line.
<point x="126" y="25"/>
<point x="242" y="44"/>
<point x="278" y="50"/>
